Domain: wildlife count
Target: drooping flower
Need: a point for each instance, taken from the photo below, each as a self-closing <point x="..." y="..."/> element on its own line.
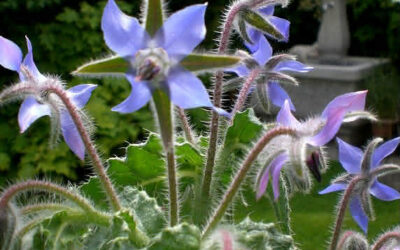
<point x="155" y="59"/>
<point x="352" y="160"/>
<point x="271" y="68"/>
<point x="34" y="107"/>
<point x="305" y="152"/>
<point x="277" y="28"/>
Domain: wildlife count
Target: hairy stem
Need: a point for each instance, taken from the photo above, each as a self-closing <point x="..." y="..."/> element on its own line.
<point x="34" y="208"/>
<point x="385" y="238"/>
<point x="217" y="95"/>
<point x="244" y="92"/>
<point x="164" y="115"/>
<point x="91" y="149"/>
<point x="13" y="190"/>
<point x="185" y="125"/>
<point x="241" y="174"/>
<point x="342" y="211"/>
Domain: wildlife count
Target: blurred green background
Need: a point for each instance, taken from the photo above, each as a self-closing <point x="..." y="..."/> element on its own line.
<point x="66" y="34"/>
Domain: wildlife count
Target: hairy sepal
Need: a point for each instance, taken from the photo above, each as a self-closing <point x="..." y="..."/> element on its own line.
<point x="209" y="62"/>
<point x="110" y="66"/>
<point x="259" y="22"/>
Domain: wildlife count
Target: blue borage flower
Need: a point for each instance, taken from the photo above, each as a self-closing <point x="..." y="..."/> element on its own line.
<point x="351" y="159"/>
<point x="155" y="60"/>
<point x="313" y="134"/>
<point x="33" y="107"/>
<point x="262" y="58"/>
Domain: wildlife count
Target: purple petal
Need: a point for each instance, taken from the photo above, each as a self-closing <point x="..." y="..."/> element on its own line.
<point x="278" y="95"/>
<point x="350" y="157"/>
<point x="333" y="188"/>
<point x="264" y="51"/>
<point x="140" y="95"/>
<point x="384" y="192"/>
<point x="334" y="114"/>
<point x="358" y="213"/>
<point x="277" y="165"/>
<point x="384" y="150"/>
<point x="263" y="182"/>
<point x="274" y="167"/>
<point x="80" y="94"/>
<point x="182" y="31"/>
<point x="267" y="11"/>
<point x="222" y="112"/>
<point x="72" y="136"/>
<point x="10" y="54"/>
<point x="282" y="25"/>
<point x="30" y="64"/>
<point x="122" y="33"/>
<point x="353" y="101"/>
<point x="285" y="117"/>
<point x="30" y="111"/>
<point x="254" y="36"/>
<point x="240" y="70"/>
<point x="292" y="66"/>
<point x="186" y="90"/>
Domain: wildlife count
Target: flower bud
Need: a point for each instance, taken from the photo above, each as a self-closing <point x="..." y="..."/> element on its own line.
<point x="353" y="241"/>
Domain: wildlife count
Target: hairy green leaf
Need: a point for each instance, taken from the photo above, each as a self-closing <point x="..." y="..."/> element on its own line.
<point x="258" y="235"/>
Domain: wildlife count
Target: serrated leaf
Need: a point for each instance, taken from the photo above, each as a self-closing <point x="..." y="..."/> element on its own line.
<point x="259" y="22"/>
<point x="62" y="230"/>
<point x="114" y="65"/>
<point x="115" y="237"/>
<point x="204" y="62"/>
<point x="180" y="237"/>
<point x="146" y="210"/>
<point x="144" y="167"/>
<point x="258" y="235"/>
<point x="154" y="16"/>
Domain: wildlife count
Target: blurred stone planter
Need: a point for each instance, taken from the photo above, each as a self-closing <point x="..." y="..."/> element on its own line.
<point x="328" y="79"/>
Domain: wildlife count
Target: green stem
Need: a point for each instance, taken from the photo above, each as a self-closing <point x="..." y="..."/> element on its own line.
<point x="342" y="211"/>
<point x="90" y="211"/>
<point x="217" y="97"/>
<point x="34" y="208"/>
<point x="91" y="149"/>
<point x="244" y="92"/>
<point x="164" y="115"/>
<point x="185" y="125"/>
<point x="385" y="238"/>
<point x="241" y="174"/>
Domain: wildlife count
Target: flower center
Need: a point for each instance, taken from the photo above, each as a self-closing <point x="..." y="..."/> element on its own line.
<point x="313" y="163"/>
<point x="151" y="64"/>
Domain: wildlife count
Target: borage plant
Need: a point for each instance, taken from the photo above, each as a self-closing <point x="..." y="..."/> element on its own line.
<point x="177" y="190"/>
